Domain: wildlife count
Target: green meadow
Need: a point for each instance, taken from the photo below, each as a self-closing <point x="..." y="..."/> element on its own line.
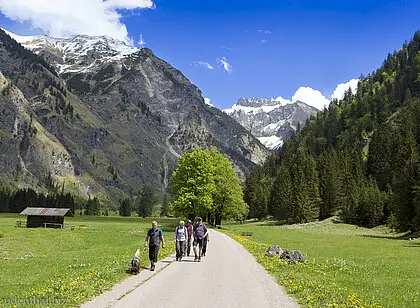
<point x="346" y="266"/>
<point x="75" y="265"/>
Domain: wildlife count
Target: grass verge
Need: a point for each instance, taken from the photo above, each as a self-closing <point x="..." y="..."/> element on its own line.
<point x="71" y="265"/>
<point x="345" y="266"/>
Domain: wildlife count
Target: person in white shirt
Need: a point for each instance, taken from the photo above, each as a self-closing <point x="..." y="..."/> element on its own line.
<point x="180" y="238"/>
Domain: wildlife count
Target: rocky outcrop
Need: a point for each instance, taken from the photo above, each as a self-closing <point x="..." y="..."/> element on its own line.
<point x="274" y="251"/>
<point x="292" y="256"/>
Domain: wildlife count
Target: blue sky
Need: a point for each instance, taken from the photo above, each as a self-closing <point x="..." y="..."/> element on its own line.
<point x="273" y="47"/>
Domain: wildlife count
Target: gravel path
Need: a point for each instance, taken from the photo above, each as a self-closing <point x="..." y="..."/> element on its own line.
<point x="227" y="277"/>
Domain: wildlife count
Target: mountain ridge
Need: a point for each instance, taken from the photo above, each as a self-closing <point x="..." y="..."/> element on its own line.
<point x="272" y="121"/>
<point x="123" y="122"/>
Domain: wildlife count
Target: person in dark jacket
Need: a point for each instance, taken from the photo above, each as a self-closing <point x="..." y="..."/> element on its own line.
<point x="189" y="227"/>
<point x="154" y="237"/>
<point x="199" y="232"/>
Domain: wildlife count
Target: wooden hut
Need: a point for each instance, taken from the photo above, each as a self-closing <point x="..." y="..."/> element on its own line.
<point x="44" y="217"/>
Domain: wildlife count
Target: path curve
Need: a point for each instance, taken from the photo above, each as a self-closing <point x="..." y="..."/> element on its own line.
<point x="228" y="276"/>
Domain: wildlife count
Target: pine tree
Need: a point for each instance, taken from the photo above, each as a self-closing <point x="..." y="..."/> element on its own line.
<point x="92" y="207"/>
<point x="380" y="158"/>
<point x="259" y="198"/>
<point x="125" y="207"/>
<point x="145" y="201"/>
<point x="164" y="211"/>
<point x="280" y="205"/>
<point x="329" y="183"/>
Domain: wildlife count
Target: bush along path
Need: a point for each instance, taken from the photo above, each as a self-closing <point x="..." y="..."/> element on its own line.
<point x="314" y="284"/>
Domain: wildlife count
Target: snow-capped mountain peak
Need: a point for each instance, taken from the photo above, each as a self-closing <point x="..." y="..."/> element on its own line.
<point x="78" y="53"/>
<point x="272" y="121"/>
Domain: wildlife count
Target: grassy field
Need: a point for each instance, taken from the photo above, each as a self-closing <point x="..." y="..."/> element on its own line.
<point x="74" y="265"/>
<point x="346" y="266"/>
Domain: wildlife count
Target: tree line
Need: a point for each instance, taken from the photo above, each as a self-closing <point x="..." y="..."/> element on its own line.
<point x="17" y="201"/>
<point x="358" y="158"/>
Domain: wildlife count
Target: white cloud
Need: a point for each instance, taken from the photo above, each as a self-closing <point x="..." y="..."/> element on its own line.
<point x="128" y="4"/>
<point x="202" y="64"/>
<point x="141" y="42"/>
<point x="315" y="98"/>
<point x="264" y="31"/>
<point x="311" y="97"/>
<point x="225" y="64"/>
<point x="263" y="41"/>
<point x="343" y="87"/>
<point x="62" y="18"/>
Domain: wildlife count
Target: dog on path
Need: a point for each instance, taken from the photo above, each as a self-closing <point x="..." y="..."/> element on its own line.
<point x="135" y="263"/>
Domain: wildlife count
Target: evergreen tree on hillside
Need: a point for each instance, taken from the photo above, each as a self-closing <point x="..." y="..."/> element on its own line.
<point x="164" y="211"/>
<point x="125" y="207"/>
<point x="305" y="184"/>
<point x="370" y="208"/>
<point x="259" y="198"/>
<point x="280" y="203"/>
<point x="350" y="182"/>
<point x="92" y="207"/>
<point x="329" y="183"/>
<point x="381" y="156"/>
<point x="365" y="148"/>
<point x="146" y="200"/>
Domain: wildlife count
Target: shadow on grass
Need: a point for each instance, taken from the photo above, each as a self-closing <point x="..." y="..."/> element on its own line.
<point x="413" y="245"/>
<point x="404" y="237"/>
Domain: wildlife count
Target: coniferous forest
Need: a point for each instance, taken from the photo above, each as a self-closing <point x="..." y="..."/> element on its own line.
<point x="17" y="201"/>
<point x="358" y="159"/>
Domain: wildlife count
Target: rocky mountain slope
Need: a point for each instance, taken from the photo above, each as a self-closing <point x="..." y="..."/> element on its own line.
<point x="271" y="121"/>
<point x="108" y="117"/>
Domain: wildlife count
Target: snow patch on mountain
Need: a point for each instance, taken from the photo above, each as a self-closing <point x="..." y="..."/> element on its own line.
<point x="81" y="53"/>
<point x="272" y="121"/>
<point x="207" y="101"/>
<point x="272" y="142"/>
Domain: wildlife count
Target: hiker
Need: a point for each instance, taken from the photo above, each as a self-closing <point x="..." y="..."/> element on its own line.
<point x="154" y="237"/>
<point x="189" y="227"/>
<point x="200" y="232"/>
<point x="205" y="241"/>
<point x="180" y="238"/>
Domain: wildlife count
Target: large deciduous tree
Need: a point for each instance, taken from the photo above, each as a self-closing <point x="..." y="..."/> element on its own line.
<point x="228" y="199"/>
<point x="193" y="182"/>
<point x="206" y="185"/>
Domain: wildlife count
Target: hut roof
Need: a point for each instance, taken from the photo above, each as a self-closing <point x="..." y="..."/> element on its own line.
<point x="41" y="211"/>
